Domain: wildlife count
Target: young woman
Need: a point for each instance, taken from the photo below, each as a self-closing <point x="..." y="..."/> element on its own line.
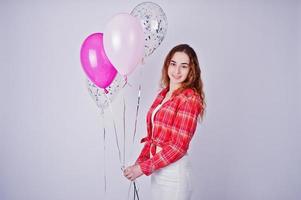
<point x="171" y="123"/>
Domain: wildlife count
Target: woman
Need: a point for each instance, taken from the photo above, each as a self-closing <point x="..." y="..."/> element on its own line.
<point x="171" y="123"/>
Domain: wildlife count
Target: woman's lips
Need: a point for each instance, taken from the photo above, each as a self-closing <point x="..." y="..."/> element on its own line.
<point x="176" y="77"/>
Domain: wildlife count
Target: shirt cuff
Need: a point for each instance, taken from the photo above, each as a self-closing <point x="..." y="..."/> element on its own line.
<point x="146" y="167"/>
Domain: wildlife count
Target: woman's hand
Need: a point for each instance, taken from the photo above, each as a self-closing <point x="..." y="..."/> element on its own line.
<point x="132" y="172"/>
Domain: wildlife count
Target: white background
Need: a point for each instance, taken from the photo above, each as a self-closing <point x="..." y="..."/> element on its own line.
<point x="51" y="139"/>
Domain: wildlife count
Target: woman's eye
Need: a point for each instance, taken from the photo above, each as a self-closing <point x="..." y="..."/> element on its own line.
<point x="184" y="66"/>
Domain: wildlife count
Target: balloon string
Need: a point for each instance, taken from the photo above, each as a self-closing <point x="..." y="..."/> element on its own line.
<point x="135" y="191"/>
<point x="137" y="109"/>
<point x="129" y="190"/>
<point x="104" y="156"/>
<point x="124" y="108"/>
<point x="135" y="128"/>
<point x="115" y="132"/>
<point x="105" y="170"/>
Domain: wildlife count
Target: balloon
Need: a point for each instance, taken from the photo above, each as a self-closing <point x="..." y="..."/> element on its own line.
<point x="94" y="61"/>
<point x="102" y="98"/>
<point x="154" y="23"/>
<point x="124" y="42"/>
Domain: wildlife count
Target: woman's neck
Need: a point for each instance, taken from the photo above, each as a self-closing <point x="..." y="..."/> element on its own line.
<point x="173" y="87"/>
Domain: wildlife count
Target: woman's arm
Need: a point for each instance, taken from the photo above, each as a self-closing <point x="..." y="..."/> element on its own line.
<point x="134" y="171"/>
<point x="144" y="154"/>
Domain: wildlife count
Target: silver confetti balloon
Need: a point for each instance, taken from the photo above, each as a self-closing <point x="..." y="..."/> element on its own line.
<point x="103" y="98"/>
<point x="154" y="23"/>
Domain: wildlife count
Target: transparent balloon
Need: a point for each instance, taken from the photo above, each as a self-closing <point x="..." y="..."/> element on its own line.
<point x="154" y="23"/>
<point x="103" y="97"/>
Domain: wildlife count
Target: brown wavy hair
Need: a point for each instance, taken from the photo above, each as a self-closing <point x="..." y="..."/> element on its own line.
<point x="194" y="80"/>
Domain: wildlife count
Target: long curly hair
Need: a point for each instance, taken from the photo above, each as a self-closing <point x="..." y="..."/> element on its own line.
<point x="194" y="80"/>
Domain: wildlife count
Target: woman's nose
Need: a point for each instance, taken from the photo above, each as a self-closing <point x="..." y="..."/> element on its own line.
<point x="178" y="69"/>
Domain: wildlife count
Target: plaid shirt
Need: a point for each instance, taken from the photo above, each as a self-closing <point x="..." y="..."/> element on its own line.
<point x="173" y="128"/>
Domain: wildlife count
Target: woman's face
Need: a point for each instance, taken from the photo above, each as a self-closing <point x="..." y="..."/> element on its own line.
<point x="178" y="68"/>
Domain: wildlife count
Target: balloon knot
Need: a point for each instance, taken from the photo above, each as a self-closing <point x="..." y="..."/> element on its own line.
<point x="125" y="81"/>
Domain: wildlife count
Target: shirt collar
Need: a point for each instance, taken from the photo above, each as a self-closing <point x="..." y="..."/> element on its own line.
<point x="175" y="93"/>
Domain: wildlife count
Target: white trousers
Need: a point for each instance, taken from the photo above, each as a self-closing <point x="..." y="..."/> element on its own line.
<point x="172" y="182"/>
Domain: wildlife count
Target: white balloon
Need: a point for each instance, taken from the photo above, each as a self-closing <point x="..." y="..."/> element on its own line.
<point x="124" y="42"/>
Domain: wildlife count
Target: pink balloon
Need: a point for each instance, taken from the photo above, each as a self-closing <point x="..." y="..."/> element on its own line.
<point x="94" y="61"/>
<point x="124" y="42"/>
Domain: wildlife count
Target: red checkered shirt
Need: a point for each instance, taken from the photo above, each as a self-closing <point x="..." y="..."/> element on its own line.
<point x="173" y="128"/>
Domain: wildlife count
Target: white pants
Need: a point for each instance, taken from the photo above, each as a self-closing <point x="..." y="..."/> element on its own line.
<point x="172" y="182"/>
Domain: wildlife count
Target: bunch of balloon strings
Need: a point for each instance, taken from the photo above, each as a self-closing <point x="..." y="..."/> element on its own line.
<point x="121" y="161"/>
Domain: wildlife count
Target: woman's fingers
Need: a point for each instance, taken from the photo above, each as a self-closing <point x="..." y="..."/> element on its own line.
<point x="128" y="176"/>
<point x="131" y="173"/>
<point x="128" y="173"/>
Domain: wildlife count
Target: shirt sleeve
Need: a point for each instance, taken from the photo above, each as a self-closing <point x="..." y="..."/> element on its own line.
<point x="182" y="131"/>
<point x="144" y="155"/>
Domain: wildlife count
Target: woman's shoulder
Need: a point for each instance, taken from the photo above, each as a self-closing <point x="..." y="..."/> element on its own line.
<point x="163" y="90"/>
<point x="181" y="94"/>
<point x="191" y="98"/>
<point x="189" y="93"/>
